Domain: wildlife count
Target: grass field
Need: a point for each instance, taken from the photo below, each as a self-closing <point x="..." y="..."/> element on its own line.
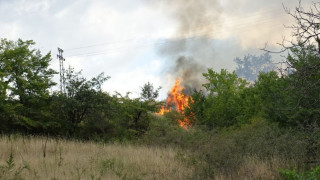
<point x="47" y="158"/>
<point x="41" y="158"/>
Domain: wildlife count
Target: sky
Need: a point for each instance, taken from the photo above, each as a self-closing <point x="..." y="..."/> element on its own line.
<point x="139" y="41"/>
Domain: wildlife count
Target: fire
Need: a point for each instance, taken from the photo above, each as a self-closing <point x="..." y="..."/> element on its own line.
<point x="177" y="101"/>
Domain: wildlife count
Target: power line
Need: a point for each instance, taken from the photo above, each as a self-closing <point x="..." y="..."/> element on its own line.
<point x="240" y="26"/>
<point x="249" y="16"/>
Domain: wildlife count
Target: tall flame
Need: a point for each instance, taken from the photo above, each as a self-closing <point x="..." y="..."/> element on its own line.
<point x="177" y="101"/>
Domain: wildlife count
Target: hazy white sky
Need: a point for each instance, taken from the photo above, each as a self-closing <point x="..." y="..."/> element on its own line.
<point x="124" y="38"/>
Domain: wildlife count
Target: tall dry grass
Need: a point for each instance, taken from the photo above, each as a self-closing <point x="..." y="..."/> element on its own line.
<point x="41" y="158"/>
<point x="254" y="168"/>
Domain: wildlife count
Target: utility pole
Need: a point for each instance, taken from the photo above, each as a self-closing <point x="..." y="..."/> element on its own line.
<point x="62" y="79"/>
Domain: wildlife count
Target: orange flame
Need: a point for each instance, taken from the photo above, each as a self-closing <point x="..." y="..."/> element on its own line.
<point x="177" y="101"/>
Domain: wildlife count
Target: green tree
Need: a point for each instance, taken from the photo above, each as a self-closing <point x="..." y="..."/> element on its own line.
<point x="221" y="107"/>
<point x="133" y="115"/>
<point x="83" y="103"/>
<point x="273" y="92"/>
<point x="304" y="84"/>
<point x="25" y="81"/>
<point x="294" y="99"/>
<point x="298" y="101"/>
<point x="148" y="92"/>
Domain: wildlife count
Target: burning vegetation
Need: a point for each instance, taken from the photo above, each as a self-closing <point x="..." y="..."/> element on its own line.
<point x="177" y="101"/>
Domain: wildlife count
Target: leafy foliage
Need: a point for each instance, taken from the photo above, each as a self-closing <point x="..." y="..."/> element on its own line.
<point x="25" y="80"/>
<point x="222" y="105"/>
<point x="304" y="84"/>
<point x="84" y="111"/>
<point x="313" y="174"/>
<point x="148" y="92"/>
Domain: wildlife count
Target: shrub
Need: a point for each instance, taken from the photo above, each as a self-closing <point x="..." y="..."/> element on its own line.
<point x="313" y="174"/>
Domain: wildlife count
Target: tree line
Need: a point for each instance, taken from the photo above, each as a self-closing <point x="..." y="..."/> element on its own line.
<point x="290" y="99"/>
<point x="84" y="111"/>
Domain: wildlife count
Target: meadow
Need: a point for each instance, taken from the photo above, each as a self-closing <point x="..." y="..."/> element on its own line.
<point x="256" y="151"/>
<point x="42" y="158"/>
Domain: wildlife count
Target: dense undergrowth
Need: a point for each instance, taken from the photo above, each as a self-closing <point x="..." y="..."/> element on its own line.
<point x="253" y="151"/>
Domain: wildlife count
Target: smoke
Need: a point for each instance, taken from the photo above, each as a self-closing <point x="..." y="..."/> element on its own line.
<point x="190" y="50"/>
<point x="211" y="33"/>
<point x="189" y="72"/>
<point x="194" y="16"/>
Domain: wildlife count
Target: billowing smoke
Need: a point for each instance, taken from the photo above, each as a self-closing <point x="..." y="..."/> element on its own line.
<point x="190" y="52"/>
<point x="190" y="72"/>
<point x="194" y="16"/>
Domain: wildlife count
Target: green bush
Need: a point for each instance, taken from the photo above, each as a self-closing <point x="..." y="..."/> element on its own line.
<point x="313" y="174"/>
<point x="227" y="149"/>
<point x="164" y="131"/>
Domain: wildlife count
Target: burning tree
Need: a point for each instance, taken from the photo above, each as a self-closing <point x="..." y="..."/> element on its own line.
<point x="177" y="101"/>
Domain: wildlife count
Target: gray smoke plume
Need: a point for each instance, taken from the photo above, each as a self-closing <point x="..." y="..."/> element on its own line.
<point x="190" y="52"/>
<point x="194" y="16"/>
<point x="189" y="72"/>
<point x="196" y="42"/>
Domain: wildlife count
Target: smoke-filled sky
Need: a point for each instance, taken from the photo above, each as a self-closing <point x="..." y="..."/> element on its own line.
<point x="136" y="41"/>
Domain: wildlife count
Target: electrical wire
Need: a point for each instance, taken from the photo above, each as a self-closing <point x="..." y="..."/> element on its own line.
<point x="205" y="21"/>
<point x="245" y="24"/>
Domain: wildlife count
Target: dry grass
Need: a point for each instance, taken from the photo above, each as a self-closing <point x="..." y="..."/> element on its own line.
<point x="254" y="168"/>
<point x="85" y="160"/>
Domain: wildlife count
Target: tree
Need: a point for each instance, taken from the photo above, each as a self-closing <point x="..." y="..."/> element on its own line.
<point x="223" y="83"/>
<point x="221" y="107"/>
<point x="250" y="66"/>
<point x="301" y="102"/>
<point x="274" y="94"/>
<point x="306" y="29"/>
<point x="148" y="92"/>
<point x="83" y="100"/>
<point x="304" y="84"/>
<point x="303" y="65"/>
<point x="25" y="79"/>
<point x="294" y="100"/>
